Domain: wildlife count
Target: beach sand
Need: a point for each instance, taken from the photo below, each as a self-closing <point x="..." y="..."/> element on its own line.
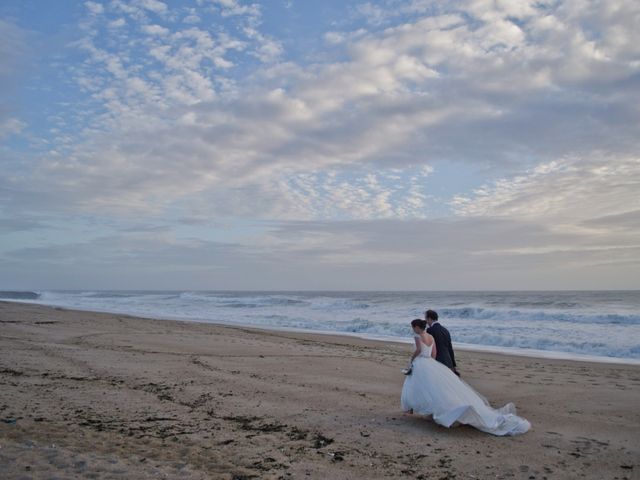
<point x="95" y="395"/>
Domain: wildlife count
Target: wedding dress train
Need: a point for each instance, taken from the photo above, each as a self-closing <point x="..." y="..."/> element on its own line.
<point x="433" y="389"/>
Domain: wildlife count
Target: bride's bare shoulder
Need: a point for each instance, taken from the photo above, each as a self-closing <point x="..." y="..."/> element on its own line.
<point x="427" y="338"/>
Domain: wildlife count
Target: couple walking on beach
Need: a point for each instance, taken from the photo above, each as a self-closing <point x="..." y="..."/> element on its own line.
<point x="433" y="387"/>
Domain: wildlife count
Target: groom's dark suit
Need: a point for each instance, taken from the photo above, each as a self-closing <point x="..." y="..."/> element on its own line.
<point x="444" y="349"/>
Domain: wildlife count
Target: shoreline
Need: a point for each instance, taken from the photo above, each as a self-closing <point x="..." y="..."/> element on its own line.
<point x="506" y="351"/>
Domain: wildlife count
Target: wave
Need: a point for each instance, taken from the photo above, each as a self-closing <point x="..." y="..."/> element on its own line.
<point x="510" y="337"/>
<point x="479" y="313"/>
<point x="334" y="304"/>
<point x="507" y="337"/>
<point x="241" y="301"/>
<point x="18" y="295"/>
<point x="107" y="295"/>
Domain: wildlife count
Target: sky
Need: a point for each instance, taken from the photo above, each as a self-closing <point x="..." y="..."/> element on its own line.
<point x="334" y="145"/>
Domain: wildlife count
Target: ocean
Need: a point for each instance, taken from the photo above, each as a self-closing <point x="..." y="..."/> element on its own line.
<point x="602" y="325"/>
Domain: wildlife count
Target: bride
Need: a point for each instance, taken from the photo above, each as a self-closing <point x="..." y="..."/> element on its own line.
<point x="433" y="389"/>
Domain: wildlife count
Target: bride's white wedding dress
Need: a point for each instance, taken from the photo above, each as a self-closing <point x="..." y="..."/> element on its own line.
<point x="433" y="389"/>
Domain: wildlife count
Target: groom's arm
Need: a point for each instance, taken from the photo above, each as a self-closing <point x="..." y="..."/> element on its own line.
<point x="450" y="348"/>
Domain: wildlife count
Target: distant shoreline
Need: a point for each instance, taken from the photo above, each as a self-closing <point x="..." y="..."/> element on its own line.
<point x="276" y="292"/>
<point x="505" y="351"/>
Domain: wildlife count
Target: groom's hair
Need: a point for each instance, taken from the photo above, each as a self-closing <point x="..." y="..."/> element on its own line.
<point x="431" y="315"/>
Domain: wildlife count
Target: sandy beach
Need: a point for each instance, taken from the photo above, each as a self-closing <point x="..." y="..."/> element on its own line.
<point x="95" y="395"/>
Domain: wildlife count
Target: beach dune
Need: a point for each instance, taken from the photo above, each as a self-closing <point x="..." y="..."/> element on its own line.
<point x="96" y="395"/>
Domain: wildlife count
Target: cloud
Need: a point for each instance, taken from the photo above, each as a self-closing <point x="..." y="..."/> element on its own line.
<point x="566" y="191"/>
<point x="463" y="253"/>
<point x="466" y="253"/>
<point x="13" y="225"/>
<point x="627" y="221"/>
<point x="327" y="194"/>
<point x="127" y="259"/>
<point x="191" y="19"/>
<point x="480" y="83"/>
<point x="198" y="123"/>
<point x="154" y="6"/>
<point x="234" y="7"/>
<point x="11" y="126"/>
<point x="14" y="51"/>
<point x="155" y="30"/>
<point x="374" y="14"/>
<point x="118" y="23"/>
<point x="94" y="8"/>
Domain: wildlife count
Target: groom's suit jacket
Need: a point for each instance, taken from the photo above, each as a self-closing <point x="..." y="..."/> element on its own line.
<point x="444" y="349"/>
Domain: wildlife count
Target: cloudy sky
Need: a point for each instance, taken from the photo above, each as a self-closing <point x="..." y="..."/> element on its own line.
<point x="227" y="144"/>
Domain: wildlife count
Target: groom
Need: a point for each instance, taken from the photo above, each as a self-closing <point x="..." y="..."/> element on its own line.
<point x="444" y="353"/>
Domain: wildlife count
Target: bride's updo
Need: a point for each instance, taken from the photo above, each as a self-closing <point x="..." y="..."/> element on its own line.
<point x="418" y="322"/>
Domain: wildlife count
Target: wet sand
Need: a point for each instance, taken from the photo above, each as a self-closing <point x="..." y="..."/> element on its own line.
<point x="95" y="395"/>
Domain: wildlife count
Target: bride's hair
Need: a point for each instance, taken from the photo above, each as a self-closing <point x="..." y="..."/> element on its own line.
<point x="418" y="322"/>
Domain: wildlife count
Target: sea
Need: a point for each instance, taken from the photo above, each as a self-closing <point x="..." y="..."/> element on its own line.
<point x="596" y="325"/>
